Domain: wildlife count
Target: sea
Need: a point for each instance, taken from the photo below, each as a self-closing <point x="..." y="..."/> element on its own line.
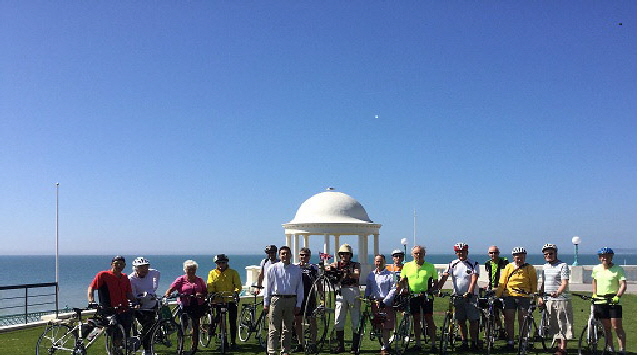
<point x="77" y="271"/>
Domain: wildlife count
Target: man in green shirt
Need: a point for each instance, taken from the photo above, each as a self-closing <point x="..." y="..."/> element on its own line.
<point x="494" y="267"/>
<point x="420" y="279"/>
<point x="609" y="280"/>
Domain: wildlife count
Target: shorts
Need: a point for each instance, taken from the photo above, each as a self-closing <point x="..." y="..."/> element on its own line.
<point x="421" y="303"/>
<point x="607" y="311"/>
<point x="194" y="311"/>
<point x="511" y="302"/>
<point x="465" y="308"/>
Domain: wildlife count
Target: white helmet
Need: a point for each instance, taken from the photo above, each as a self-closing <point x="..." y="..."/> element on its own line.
<point x="140" y="260"/>
<point x="397" y="252"/>
<point x="549" y="246"/>
<point x="519" y="250"/>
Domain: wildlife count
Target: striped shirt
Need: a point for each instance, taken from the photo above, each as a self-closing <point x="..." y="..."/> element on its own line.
<point x="552" y="274"/>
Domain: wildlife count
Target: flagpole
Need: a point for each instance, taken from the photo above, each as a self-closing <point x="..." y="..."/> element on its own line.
<point x="57" y="238"/>
<point x="414" y="227"/>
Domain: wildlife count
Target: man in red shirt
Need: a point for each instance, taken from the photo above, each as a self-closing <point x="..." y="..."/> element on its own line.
<point x="114" y="290"/>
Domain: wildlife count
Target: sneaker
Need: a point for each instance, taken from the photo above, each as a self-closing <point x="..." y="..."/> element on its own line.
<point x="298" y="348"/>
<point x="312" y="348"/>
<point x="509" y="347"/>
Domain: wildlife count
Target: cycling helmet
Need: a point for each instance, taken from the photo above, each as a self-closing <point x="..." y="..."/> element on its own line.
<point x="140" y="260"/>
<point x="549" y="246"/>
<point x="397" y="252"/>
<point x="605" y="250"/>
<point x="460" y="247"/>
<point x="221" y="258"/>
<point x="519" y="250"/>
<point x="118" y="258"/>
<point x="270" y="249"/>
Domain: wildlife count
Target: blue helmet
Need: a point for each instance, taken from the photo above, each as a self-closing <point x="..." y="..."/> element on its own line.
<point x="605" y="250"/>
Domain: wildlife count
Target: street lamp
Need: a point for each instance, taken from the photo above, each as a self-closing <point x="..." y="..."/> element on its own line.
<point x="575" y="241"/>
<point x="404" y="241"/>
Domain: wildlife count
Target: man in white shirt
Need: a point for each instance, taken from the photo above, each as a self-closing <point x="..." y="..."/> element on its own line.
<point x="144" y="283"/>
<point x="283" y="296"/>
<point x="465" y="273"/>
<point x="555" y="277"/>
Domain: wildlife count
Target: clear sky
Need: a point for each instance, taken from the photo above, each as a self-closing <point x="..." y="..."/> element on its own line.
<point x="201" y="126"/>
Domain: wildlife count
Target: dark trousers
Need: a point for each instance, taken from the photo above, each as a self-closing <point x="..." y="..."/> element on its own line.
<point x="146" y="319"/>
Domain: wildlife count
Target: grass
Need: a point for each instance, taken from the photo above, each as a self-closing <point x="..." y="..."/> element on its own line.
<point x="24" y="341"/>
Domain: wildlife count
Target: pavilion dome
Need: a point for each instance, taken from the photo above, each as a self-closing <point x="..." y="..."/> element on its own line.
<point x="331" y="207"/>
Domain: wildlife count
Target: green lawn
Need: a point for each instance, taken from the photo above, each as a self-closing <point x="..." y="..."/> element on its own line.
<point x="24" y="341"/>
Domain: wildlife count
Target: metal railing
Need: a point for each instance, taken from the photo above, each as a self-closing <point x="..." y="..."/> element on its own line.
<point x="24" y="307"/>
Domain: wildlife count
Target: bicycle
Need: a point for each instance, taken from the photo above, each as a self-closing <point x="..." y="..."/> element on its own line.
<point x="593" y="337"/>
<point x="217" y="304"/>
<point x="62" y="337"/>
<point x="375" y="320"/>
<point x="404" y="332"/>
<point x="166" y="334"/>
<point x="323" y="312"/>
<point x="249" y="323"/>
<point x="404" y="329"/>
<point x="488" y="319"/>
<point x="449" y="328"/>
<point x="529" y="333"/>
<point x="185" y="323"/>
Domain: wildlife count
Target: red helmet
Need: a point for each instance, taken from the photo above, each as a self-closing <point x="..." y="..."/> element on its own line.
<point x="460" y="247"/>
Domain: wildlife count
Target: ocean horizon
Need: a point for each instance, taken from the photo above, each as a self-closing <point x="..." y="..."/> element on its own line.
<point x="77" y="271"/>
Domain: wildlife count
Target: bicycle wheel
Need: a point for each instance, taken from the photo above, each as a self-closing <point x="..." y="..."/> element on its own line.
<point x="116" y="340"/>
<point x="324" y="312"/>
<point x="222" y="343"/>
<point x="56" y="338"/>
<point x="402" y="336"/>
<point x="593" y="340"/>
<point x="186" y="327"/>
<point x="527" y="336"/>
<point x="207" y="329"/>
<point x="490" y="333"/>
<point x="361" y="331"/>
<point x="167" y="338"/>
<point x="446" y="334"/>
<point x="244" y="324"/>
<point x="261" y="332"/>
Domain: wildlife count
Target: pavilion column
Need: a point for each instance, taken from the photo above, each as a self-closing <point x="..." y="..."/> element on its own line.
<point x="327" y="243"/>
<point x="306" y="240"/>
<point x="375" y="244"/>
<point x="288" y="240"/>
<point x="336" y="247"/>
<point x="296" y="248"/>
<point x="363" y="249"/>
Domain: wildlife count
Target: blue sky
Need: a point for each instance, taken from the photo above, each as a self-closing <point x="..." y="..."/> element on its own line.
<point x="201" y="126"/>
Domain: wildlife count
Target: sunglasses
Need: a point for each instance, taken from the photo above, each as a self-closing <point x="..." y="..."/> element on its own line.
<point x="551" y="253"/>
<point x="305" y="254"/>
<point x="493" y="252"/>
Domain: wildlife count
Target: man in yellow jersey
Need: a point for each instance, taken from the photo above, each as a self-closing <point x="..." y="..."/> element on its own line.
<point x="227" y="280"/>
<point x="420" y="279"/>
<point x="518" y="275"/>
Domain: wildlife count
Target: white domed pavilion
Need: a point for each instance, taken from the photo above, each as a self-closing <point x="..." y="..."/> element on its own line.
<point x="333" y="213"/>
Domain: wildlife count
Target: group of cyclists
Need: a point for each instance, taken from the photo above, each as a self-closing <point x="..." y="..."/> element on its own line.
<point x="287" y="297"/>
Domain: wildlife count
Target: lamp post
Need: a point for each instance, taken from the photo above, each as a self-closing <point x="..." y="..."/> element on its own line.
<point x="404" y="241"/>
<point x="575" y="241"/>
